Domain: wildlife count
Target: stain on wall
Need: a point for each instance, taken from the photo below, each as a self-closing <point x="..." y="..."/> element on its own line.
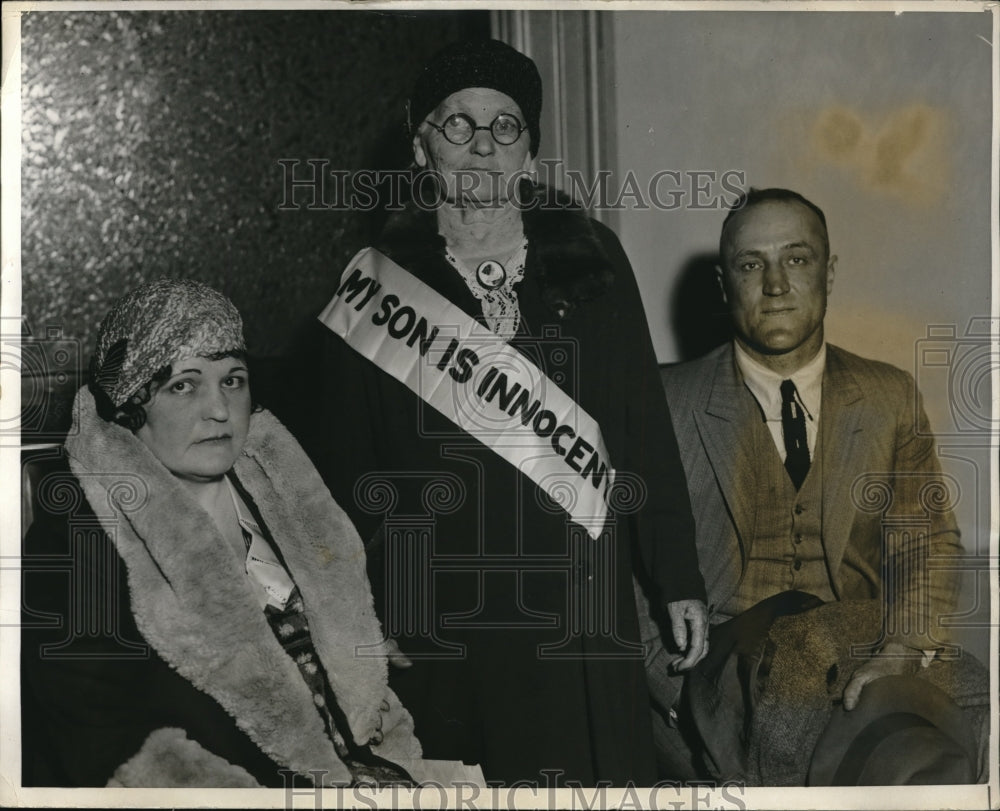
<point x="151" y="143"/>
<point x="838" y="132"/>
<point x="882" y="119"/>
<point x="903" y="152"/>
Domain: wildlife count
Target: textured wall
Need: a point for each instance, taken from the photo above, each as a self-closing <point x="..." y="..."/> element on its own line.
<point x="151" y="142"/>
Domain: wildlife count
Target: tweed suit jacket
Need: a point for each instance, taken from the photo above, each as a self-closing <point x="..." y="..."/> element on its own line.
<point x="883" y="493"/>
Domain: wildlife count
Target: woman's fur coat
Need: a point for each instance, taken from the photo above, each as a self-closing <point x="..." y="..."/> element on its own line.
<point x="193" y="604"/>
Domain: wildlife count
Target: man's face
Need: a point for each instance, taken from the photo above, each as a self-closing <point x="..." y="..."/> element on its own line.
<point x="776" y="274"/>
<point x="481" y="171"/>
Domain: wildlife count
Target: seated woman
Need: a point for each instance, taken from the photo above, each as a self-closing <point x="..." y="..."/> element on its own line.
<point x="204" y="618"/>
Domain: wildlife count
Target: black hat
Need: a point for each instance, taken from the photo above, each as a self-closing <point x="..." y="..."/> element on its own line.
<point x="903" y="731"/>
<point x="479" y="63"/>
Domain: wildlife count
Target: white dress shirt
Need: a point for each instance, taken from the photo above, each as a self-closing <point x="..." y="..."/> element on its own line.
<point x="271" y="582"/>
<point x="765" y="386"/>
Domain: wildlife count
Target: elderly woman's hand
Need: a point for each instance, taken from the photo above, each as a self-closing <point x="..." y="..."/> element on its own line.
<point x="689" y="623"/>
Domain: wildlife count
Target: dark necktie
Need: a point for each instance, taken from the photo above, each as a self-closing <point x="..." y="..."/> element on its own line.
<point x="793" y="427"/>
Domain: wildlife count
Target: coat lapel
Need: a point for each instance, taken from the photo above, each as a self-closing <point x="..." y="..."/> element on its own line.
<point x="326" y="559"/>
<point x="843" y="448"/>
<point x="727" y="437"/>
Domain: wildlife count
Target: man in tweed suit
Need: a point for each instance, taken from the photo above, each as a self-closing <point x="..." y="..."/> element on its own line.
<point x="782" y="506"/>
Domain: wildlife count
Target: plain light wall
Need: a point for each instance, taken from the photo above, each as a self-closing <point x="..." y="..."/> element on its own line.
<point x="781" y="96"/>
<point x="883" y="120"/>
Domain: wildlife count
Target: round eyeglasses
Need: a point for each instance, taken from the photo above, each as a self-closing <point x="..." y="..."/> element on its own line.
<point x="459" y="128"/>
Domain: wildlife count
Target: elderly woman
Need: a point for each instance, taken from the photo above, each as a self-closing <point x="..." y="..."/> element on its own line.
<point x="488" y="373"/>
<point x="217" y="628"/>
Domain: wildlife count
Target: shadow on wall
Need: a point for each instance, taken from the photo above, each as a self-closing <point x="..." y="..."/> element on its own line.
<point x="698" y="315"/>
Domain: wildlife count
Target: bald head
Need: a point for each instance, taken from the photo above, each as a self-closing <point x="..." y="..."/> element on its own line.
<point x="755" y="197"/>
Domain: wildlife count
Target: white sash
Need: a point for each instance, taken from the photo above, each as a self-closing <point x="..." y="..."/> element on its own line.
<point x="476" y="380"/>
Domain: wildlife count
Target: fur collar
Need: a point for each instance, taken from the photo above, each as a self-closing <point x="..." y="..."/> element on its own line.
<point x="168" y="758"/>
<point x="193" y="605"/>
<point x="565" y="252"/>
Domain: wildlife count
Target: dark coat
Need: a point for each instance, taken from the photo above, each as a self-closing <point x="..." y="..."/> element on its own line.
<point x="89" y="701"/>
<point x="526" y="688"/>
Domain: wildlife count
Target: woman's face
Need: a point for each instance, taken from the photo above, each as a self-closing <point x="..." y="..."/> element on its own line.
<point x="480" y="171"/>
<point x="197" y="421"/>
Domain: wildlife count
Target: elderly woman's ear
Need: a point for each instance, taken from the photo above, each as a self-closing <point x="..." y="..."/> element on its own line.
<point x="419" y="155"/>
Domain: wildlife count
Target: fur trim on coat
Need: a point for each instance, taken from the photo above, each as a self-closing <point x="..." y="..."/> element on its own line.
<point x="566" y="252"/>
<point x="193" y="604"/>
<point x="169" y="758"/>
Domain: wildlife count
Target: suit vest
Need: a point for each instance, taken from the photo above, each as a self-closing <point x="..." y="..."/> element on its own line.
<point x="785" y="549"/>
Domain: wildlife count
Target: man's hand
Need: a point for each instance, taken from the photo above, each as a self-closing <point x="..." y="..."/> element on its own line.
<point x="689" y="623"/>
<point x="396" y="657"/>
<point x="893" y="660"/>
